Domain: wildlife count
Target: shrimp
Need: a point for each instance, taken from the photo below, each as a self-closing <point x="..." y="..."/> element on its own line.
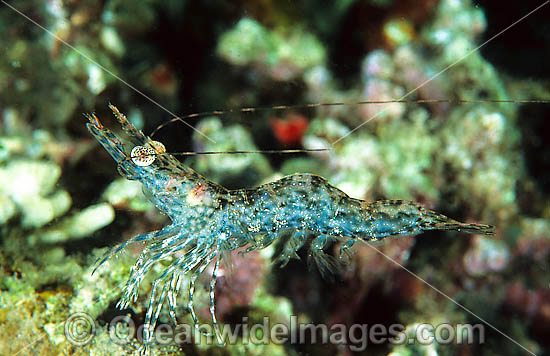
<point x="208" y="221"/>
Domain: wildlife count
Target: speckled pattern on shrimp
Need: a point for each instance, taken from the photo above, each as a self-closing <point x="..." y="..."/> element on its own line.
<point x="209" y="220"/>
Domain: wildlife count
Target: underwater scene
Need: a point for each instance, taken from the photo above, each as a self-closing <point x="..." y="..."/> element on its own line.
<point x="353" y="177"/>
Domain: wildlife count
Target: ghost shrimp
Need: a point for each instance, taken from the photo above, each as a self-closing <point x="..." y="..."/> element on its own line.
<point x="209" y="221"/>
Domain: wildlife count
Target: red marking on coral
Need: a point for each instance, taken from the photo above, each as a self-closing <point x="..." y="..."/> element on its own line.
<point x="290" y="130"/>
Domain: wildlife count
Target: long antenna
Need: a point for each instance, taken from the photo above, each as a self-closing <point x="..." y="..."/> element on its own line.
<point x="316" y="105"/>
<point x="292" y="151"/>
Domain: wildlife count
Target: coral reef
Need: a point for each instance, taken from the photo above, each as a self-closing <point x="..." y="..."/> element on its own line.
<point x="62" y="202"/>
<point x="276" y="54"/>
<point x="227" y="169"/>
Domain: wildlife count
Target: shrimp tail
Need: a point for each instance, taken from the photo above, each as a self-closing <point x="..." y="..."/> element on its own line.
<point x="406" y="218"/>
<point x="432" y="220"/>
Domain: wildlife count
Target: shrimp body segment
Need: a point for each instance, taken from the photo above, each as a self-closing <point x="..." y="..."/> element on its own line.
<point x="209" y="220"/>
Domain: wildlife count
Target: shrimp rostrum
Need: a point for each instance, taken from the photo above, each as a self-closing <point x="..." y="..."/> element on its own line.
<point x="209" y="221"/>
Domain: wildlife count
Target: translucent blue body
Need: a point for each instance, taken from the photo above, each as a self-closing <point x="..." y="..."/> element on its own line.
<point x="209" y="220"/>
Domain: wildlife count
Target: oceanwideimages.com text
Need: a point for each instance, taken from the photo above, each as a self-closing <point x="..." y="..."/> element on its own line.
<point x="80" y="330"/>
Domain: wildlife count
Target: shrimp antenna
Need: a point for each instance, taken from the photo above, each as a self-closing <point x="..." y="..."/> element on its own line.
<point x="293" y="151"/>
<point x="143" y="157"/>
<point x="316" y="105"/>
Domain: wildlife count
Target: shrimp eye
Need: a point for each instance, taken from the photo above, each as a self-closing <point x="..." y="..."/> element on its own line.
<point x="143" y="156"/>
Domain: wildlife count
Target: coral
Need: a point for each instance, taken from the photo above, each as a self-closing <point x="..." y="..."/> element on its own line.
<point x="38" y="274"/>
<point x="415" y="347"/>
<point x="228" y="169"/>
<point x="369" y="267"/>
<point x="123" y="193"/>
<point x="485" y="256"/>
<point x="381" y="90"/>
<point x="398" y="32"/>
<point x="532" y="306"/>
<point x="389" y="164"/>
<point x="479" y="144"/>
<point x="27" y="186"/>
<point x="278" y="55"/>
<point x="534" y="242"/>
<point x="238" y="282"/>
